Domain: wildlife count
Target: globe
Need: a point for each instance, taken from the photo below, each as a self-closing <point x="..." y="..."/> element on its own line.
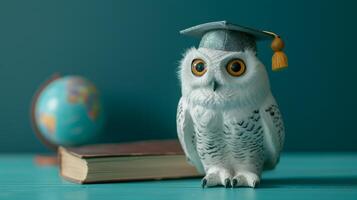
<point x="68" y="112"/>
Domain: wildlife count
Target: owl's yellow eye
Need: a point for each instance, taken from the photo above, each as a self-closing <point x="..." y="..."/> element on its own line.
<point x="236" y="67"/>
<point x="198" y="67"/>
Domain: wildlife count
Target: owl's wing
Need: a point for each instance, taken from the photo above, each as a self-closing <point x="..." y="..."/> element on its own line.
<point x="186" y="135"/>
<point x="274" y="132"/>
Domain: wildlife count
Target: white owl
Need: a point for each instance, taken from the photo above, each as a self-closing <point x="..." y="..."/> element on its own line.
<point x="228" y="121"/>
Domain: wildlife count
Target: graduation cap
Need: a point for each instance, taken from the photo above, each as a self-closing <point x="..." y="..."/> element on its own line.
<point x="225" y="36"/>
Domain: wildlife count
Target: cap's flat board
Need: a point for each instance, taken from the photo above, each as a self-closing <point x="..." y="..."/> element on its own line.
<point x="200" y="30"/>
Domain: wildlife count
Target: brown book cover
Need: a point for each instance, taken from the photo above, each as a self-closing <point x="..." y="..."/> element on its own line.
<point x="159" y="159"/>
<point x="141" y="148"/>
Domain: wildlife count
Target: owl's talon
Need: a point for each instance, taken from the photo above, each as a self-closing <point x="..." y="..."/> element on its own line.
<point x="204" y="182"/>
<point x="248" y="179"/>
<point x="217" y="176"/>
<point x="227" y="183"/>
<point x="234" y="183"/>
<point x="254" y="183"/>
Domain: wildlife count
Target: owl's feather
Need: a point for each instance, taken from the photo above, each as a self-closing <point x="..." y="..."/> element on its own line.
<point x="186" y="135"/>
<point x="274" y="131"/>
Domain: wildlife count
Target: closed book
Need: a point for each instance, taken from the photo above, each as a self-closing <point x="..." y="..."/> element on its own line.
<point x="145" y="160"/>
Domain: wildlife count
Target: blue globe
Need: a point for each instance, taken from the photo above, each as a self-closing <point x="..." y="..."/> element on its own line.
<point x="68" y="112"/>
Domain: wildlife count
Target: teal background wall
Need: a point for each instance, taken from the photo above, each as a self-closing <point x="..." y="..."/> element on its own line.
<point x="130" y="49"/>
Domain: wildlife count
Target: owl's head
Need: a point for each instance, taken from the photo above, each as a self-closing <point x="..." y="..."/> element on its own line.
<point x="221" y="78"/>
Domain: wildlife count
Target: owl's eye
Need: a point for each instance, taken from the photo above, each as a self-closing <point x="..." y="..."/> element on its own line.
<point x="236" y="67"/>
<point x="198" y="67"/>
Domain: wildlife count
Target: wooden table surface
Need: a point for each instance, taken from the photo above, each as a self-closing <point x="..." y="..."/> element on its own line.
<point x="299" y="176"/>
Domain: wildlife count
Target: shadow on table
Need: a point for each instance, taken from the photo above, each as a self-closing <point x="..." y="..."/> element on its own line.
<point x="310" y="181"/>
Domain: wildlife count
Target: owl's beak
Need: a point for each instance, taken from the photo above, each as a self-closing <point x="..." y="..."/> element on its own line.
<point x="215" y="86"/>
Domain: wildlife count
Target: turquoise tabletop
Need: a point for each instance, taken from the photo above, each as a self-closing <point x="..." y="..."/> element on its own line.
<point x="298" y="176"/>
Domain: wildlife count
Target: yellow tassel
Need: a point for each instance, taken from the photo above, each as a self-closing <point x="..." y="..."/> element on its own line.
<point x="279" y="59"/>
